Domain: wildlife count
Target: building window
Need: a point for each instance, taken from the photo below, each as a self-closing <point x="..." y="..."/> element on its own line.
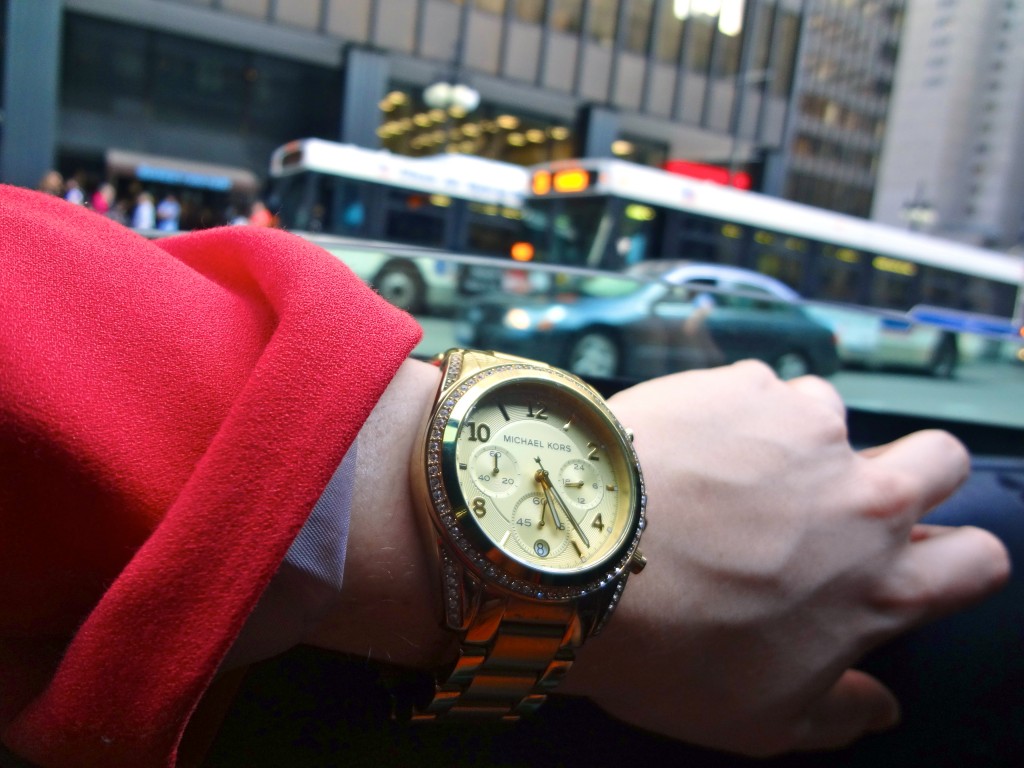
<point x="110" y="67"/>
<point x="104" y="64"/>
<point x="668" y="34"/>
<point x="566" y="15"/>
<point x="491" y="6"/>
<point x="638" y="24"/>
<point x="603" y="21"/>
<point x="783" y="61"/>
<point x="530" y="11"/>
<point x="698" y="42"/>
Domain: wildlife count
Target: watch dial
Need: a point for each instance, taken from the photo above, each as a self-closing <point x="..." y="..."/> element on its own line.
<point x="545" y="477"/>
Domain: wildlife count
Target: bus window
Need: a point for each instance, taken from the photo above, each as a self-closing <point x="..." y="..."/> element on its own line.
<point x="893" y="283"/>
<point x="939" y="287"/>
<point x="581" y="232"/>
<point x="491" y="229"/>
<point x="698" y="238"/>
<point x="339" y="207"/>
<point x="840" y="271"/>
<point x="639" y="233"/>
<point x="730" y="243"/>
<point x="779" y="256"/>
<point x="315" y="202"/>
<point x="415" y="218"/>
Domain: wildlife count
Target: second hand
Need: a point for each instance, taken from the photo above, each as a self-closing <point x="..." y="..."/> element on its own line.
<point x="545" y="481"/>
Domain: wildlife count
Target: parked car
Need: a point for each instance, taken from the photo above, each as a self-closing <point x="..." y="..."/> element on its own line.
<point x="659" y="317"/>
<point x="885" y="340"/>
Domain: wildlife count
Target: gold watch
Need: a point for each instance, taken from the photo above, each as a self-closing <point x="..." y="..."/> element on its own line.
<point x="534" y="505"/>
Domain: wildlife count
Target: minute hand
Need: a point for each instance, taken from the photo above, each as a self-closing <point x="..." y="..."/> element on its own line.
<point x="549" y="489"/>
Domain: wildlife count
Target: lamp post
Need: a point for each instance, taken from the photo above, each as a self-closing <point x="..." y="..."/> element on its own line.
<point x="918" y="212"/>
<point x="449" y="93"/>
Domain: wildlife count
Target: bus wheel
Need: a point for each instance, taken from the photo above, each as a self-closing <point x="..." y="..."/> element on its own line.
<point x="594" y="354"/>
<point x="402" y="285"/>
<point x="945" y="358"/>
<point x="791" y="365"/>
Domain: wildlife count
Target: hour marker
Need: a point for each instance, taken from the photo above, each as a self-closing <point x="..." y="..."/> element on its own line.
<point x="579" y="551"/>
<point x="611" y="487"/>
<point x="501" y="407"/>
<point x="505" y="538"/>
<point x="565" y="427"/>
<point x="463" y="465"/>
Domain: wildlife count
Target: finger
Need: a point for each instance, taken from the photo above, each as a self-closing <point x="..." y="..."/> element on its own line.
<point x="944" y="572"/>
<point x="856" y="705"/>
<point x="820" y="390"/>
<point x="924" y="468"/>
<point x="922" y="531"/>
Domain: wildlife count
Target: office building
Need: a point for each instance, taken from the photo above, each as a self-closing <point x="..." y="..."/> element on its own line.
<point x="954" y="154"/>
<point x="833" y="140"/>
<point x="112" y="86"/>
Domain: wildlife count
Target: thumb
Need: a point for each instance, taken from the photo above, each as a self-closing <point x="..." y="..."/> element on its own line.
<point x="856" y="705"/>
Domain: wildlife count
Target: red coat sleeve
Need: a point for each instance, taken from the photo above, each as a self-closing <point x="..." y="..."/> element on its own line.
<point x="170" y="411"/>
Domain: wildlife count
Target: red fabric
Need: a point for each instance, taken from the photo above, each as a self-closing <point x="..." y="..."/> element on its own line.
<point x="169" y="413"/>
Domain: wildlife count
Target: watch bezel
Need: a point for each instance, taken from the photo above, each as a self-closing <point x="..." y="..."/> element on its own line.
<point x="465" y="538"/>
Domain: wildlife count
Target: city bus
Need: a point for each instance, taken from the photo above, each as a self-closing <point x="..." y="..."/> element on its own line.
<point x="610" y="214"/>
<point x="456" y="203"/>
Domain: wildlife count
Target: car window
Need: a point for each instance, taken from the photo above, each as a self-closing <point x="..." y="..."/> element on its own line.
<point x="908" y="364"/>
<point x="755" y="297"/>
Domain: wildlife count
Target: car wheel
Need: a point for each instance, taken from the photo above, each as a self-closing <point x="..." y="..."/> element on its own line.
<point x="401" y="284"/>
<point x="944" y="359"/>
<point x="594" y="354"/>
<point x="791" y="365"/>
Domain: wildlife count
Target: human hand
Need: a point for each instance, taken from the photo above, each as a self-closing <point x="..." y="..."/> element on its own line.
<point x="777" y="557"/>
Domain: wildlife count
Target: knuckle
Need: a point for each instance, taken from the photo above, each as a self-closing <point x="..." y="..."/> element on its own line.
<point x="904" y="593"/>
<point x="891" y="495"/>
<point x="757" y="372"/>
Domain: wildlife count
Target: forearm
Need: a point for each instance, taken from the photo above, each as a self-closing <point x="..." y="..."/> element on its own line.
<point x="387" y="608"/>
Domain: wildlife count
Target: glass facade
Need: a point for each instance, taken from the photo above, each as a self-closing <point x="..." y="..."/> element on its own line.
<point x="123" y="70"/>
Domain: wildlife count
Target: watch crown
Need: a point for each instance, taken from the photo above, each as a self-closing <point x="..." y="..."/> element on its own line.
<point x="637" y="563"/>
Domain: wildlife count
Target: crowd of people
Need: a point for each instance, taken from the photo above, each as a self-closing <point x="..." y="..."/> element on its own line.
<point x="140" y="208"/>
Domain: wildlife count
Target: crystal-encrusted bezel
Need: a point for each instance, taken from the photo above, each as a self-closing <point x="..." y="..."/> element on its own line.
<point x="524" y="581"/>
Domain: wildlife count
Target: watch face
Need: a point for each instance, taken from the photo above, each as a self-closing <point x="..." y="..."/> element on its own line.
<point x="541" y="481"/>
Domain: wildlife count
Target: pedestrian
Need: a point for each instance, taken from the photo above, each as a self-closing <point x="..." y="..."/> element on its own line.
<point x="52" y="183"/>
<point x="260" y="215"/>
<point x="168" y="213"/>
<point x="144" y="215"/>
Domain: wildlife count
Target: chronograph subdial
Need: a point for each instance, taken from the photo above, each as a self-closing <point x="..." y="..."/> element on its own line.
<point x="535" y="529"/>
<point x="580" y="484"/>
<point x="495" y="471"/>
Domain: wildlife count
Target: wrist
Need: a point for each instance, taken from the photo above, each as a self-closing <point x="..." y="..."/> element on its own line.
<point x="387" y="608"/>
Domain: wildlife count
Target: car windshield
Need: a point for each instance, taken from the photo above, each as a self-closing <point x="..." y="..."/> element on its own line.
<point x="625" y="328"/>
<point x="622" y="189"/>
